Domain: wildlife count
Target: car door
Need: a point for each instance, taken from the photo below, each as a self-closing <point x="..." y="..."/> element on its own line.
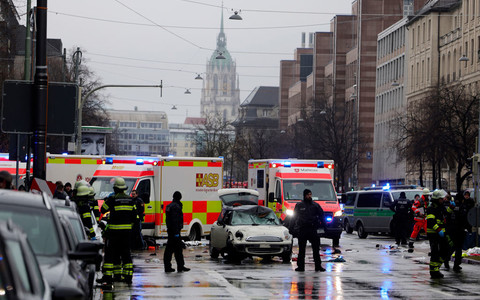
<point x="385" y="215"/>
<point x="367" y="209"/>
<point x="219" y="230"/>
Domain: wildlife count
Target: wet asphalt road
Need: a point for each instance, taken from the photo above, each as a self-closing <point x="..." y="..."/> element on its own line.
<point x="369" y="272"/>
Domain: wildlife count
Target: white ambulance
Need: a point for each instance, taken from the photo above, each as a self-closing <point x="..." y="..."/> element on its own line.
<point x="157" y="178"/>
<point x="281" y="182"/>
<point x="71" y="168"/>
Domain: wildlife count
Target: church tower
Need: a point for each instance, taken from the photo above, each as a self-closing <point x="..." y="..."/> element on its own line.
<point x="220" y="91"/>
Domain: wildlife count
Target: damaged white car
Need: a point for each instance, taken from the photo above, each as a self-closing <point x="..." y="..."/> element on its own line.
<point x="246" y="229"/>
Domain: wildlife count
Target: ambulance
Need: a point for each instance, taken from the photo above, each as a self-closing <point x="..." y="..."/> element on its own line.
<point x="157" y="178"/>
<point x="281" y="183"/>
<point x="71" y="168"/>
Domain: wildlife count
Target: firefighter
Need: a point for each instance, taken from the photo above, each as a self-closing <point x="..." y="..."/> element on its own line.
<point x="118" y="261"/>
<point x="82" y="199"/>
<point x="94" y="204"/>
<point x="436" y="233"/>
<point x="401" y="218"/>
<point x="418" y="209"/>
<point x="174" y="215"/>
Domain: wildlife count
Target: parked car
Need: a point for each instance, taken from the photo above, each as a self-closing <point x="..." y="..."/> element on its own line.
<point x="20" y="274"/>
<point x="72" y="206"/>
<point x="246" y="229"/>
<point x="38" y="218"/>
<point x="368" y="211"/>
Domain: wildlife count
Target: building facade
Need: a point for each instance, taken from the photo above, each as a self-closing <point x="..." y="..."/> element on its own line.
<point x="220" y="91"/>
<point x="140" y="132"/>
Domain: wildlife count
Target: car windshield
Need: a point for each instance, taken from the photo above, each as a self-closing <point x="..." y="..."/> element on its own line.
<point x="410" y="194"/>
<point x="104" y="186"/>
<point x="322" y="190"/>
<point x="252" y="218"/>
<point x="39" y="226"/>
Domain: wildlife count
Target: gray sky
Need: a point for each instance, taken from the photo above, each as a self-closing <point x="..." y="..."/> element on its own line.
<point x="145" y="41"/>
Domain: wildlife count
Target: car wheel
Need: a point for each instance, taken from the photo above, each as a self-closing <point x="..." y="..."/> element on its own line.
<point x="348" y="227"/>
<point x="214" y="253"/>
<point x="361" y="231"/>
<point x="287" y="257"/>
<point x="194" y="234"/>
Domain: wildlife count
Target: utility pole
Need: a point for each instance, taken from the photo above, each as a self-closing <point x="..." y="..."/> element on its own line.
<point x="40" y="86"/>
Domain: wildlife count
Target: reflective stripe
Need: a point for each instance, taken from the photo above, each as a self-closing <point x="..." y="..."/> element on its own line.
<point x="105" y="206"/>
<point x="430" y="216"/>
<point x="435" y="227"/>
<point x="120" y="226"/>
<point x="123" y="207"/>
<point x="86" y="215"/>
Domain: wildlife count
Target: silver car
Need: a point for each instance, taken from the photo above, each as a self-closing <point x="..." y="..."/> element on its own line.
<point x="246" y="229"/>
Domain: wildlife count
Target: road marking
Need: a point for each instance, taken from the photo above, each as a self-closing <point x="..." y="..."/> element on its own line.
<point x="234" y="291"/>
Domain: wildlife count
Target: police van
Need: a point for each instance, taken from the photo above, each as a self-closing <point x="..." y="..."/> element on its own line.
<point x="368" y="211"/>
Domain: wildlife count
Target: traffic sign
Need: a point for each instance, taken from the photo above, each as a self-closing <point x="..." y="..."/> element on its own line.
<point x="17" y="103"/>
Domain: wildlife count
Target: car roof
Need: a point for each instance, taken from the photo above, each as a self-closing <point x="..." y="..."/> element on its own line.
<point x="26" y="199"/>
<point x="222" y="192"/>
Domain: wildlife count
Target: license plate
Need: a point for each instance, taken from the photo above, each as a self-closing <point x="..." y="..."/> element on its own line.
<point x="264" y="246"/>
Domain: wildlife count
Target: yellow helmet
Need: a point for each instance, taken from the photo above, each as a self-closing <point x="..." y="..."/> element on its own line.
<point x="83" y="191"/>
<point x="92" y="191"/>
<point x="120" y="183"/>
<point x="426" y="191"/>
<point x="80" y="183"/>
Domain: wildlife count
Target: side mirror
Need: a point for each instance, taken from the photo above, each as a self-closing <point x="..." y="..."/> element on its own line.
<point x="87" y="251"/>
<point x="270" y="197"/>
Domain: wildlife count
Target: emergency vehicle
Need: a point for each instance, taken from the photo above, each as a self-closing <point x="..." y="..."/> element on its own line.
<point x="71" y="168"/>
<point x="157" y="178"/>
<point x="280" y="184"/>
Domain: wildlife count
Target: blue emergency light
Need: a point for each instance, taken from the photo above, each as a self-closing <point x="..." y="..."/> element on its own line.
<point x="109" y="160"/>
<point x="139" y="161"/>
<point x="386" y="186"/>
<point x="320" y="164"/>
<point x="329" y="219"/>
<point x="287" y="164"/>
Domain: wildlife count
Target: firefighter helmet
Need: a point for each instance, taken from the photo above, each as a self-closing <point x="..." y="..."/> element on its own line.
<point x="80" y="183"/>
<point x="92" y="191"/>
<point x="438" y="194"/>
<point x="120" y="183"/>
<point x="83" y="191"/>
<point x="426" y="191"/>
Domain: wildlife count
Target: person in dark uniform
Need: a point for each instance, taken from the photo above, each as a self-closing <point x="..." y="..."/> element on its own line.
<point x="118" y="259"/>
<point x="308" y="221"/>
<point x="137" y="238"/>
<point x="174" y="220"/>
<point x="401" y="218"/>
<point x="82" y="199"/>
<point x="436" y="233"/>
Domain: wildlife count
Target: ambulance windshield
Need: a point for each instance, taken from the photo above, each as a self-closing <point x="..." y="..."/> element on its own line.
<point x="322" y="190"/>
<point x="104" y="186"/>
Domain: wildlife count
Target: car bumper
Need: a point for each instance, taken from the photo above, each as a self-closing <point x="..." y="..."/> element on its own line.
<point x="263" y="248"/>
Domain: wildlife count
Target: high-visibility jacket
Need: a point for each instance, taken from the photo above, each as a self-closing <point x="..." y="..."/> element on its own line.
<point x="435" y="218"/>
<point x="122" y="211"/>
<point x="418" y="209"/>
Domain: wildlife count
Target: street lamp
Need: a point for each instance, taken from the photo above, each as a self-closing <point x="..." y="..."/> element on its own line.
<point x="464" y="58"/>
<point x="220" y="55"/>
<point x="236" y="15"/>
<point x="198" y="77"/>
<point x="187" y="91"/>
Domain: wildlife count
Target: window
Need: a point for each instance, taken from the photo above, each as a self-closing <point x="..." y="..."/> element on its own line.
<point x="16" y="254"/>
<point x="265" y="113"/>
<point x="369" y="199"/>
<point x="351" y="199"/>
<point x="260" y="178"/>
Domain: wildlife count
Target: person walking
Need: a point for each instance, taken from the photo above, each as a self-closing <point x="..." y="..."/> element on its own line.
<point x="118" y="259"/>
<point x="82" y="199"/>
<point x="174" y="221"/>
<point x="401" y="218"/>
<point x="418" y="209"/>
<point x="308" y="222"/>
<point x="436" y="233"/>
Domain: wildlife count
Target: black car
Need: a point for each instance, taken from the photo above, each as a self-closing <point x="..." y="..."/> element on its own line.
<point x="38" y="218"/>
<point x="20" y="275"/>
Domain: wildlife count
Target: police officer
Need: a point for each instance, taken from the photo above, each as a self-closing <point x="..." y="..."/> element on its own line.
<point x="82" y="199"/>
<point x="401" y="218"/>
<point x="308" y="219"/>
<point x="118" y="259"/>
<point x="436" y="233"/>
<point x="174" y="215"/>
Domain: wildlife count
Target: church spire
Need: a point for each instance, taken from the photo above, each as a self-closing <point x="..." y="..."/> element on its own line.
<point x="221" y="39"/>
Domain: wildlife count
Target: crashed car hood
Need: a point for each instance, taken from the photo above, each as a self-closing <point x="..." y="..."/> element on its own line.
<point x="260" y="230"/>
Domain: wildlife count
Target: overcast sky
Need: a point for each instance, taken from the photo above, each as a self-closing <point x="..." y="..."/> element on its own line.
<point x="145" y="41"/>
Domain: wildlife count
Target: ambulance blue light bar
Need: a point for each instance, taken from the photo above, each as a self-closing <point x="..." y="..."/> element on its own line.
<point x="320" y="164"/>
<point x="109" y="160"/>
<point x="287" y="164"/>
<point x="139" y="161"/>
